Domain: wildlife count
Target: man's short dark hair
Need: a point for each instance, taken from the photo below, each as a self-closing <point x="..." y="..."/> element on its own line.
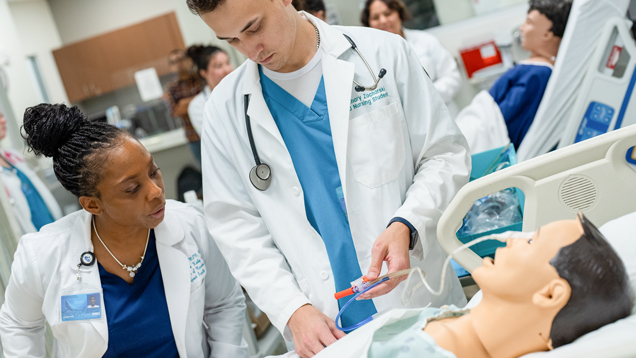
<point x="200" y="7"/>
<point x="396" y="5"/>
<point x="601" y="292"/>
<point x="556" y="11"/>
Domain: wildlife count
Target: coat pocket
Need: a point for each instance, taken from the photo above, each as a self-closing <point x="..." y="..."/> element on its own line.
<point x="376" y="146"/>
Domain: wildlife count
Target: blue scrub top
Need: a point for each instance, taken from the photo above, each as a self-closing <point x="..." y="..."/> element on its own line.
<point x="40" y="214"/>
<point x="307" y="135"/>
<point x="138" y="319"/>
<point x="518" y="93"/>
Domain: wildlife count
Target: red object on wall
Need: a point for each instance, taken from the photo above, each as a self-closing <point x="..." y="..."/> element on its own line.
<point x="480" y="56"/>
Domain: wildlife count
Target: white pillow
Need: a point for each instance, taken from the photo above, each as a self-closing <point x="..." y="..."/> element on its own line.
<point x="615" y="340"/>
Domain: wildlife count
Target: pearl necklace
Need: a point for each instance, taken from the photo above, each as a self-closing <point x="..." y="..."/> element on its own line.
<point x="131" y="269"/>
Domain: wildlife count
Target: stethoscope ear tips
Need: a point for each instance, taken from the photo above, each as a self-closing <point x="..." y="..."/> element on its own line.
<point x="382" y="73"/>
<point x="359" y="89"/>
<point x="261" y="176"/>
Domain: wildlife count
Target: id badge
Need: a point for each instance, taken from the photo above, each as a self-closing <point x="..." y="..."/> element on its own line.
<point x="81" y="302"/>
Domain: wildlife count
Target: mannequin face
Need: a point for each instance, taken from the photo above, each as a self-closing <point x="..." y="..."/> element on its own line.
<point x="384" y="18"/>
<point x="535" y="31"/>
<point x="264" y="31"/>
<point x="3" y="126"/>
<point x="523" y="268"/>
<point x="218" y="67"/>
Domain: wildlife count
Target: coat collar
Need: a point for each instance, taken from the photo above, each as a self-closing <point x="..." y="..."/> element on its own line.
<point x="176" y="280"/>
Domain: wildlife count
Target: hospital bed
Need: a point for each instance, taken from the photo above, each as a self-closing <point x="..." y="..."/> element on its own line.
<point x="596" y="177"/>
<point x="583" y="36"/>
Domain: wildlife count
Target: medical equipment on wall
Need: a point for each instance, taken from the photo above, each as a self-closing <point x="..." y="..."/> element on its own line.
<point x="593" y="177"/>
<point x="605" y="98"/>
<point x="261" y="174"/>
<point x="362" y="285"/>
<point x="585" y="25"/>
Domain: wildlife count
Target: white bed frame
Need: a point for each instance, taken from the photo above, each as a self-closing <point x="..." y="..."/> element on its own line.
<point x="592" y="177"/>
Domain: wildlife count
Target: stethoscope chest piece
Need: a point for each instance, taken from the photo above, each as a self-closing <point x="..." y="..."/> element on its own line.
<point x="261" y="176"/>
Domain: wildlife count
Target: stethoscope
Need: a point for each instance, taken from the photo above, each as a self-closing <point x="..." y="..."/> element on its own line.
<point x="261" y="173"/>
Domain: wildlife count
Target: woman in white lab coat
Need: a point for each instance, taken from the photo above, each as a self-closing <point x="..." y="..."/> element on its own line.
<point x="33" y="204"/>
<point x="212" y="64"/>
<point x="162" y="285"/>
<point x="389" y="15"/>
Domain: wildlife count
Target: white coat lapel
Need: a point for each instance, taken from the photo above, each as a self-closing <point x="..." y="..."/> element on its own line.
<point x="175" y="271"/>
<point x="80" y="243"/>
<point x="338" y="77"/>
<point x="257" y="110"/>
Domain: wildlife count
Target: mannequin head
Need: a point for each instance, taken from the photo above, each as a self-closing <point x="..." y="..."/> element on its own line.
<point x="563" y="283"/>
<point x="544" y="27"/>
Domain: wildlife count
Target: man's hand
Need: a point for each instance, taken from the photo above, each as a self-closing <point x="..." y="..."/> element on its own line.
<point x="391" y="246"/>
<point x="312" y="331"/>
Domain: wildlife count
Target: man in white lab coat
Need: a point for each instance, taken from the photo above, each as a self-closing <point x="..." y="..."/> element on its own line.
<point x="357" y="178"/>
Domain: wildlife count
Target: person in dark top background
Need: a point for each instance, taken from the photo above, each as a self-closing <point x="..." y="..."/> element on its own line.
<point x="181" y="91"/>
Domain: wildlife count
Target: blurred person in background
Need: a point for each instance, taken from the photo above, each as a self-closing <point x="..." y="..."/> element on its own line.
<point x="33" y="204"/>
<point x="212" y="64"/>
<point x="314" y="7"/>
<point x="389" y="15"/>
<point x="183" y="90"/>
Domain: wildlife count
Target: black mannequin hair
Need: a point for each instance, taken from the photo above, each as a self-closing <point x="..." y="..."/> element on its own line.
<point x="601" y="292"/>
<point x="78" y="146"/>
<point x="556" y="11"/>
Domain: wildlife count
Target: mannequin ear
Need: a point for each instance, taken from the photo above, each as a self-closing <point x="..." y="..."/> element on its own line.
<point x="555" y="294"/>
<point x="91" y="204"/>
<point x="203" y="73"/>
<point x="548" y="36"/>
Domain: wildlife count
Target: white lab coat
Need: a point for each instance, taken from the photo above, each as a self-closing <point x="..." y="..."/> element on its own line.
<point x="400" y="156"/>
<point x="483" y="124"/>
<point x="13" y="187"/>
<point x="439" y="64"/>
<point x="207" y="314"/>
<point x="196" y="109"/>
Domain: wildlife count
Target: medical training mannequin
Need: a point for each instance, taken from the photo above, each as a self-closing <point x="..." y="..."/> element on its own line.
<point x="389" y="15"/>
<point x="212" y="64"/>
<point x="132" y="274"/>
<point x="33" y="204"/>
<point x="504" y="114"/>
<point x="538" y="294"/>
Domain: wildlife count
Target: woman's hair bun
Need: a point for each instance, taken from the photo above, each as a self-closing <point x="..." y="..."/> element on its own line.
<point x="48" y="127"/>
<point x="194" y="51"/>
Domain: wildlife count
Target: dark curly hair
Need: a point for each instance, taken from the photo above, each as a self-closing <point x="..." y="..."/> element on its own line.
<point x="556" y="11"/>
<point x="396" y="5"/>
<point x="77" y="145"/>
